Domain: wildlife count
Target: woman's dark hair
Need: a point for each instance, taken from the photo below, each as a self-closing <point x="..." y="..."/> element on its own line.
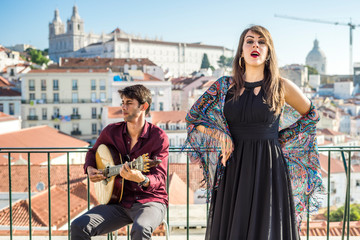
<point x="273" y="84"/>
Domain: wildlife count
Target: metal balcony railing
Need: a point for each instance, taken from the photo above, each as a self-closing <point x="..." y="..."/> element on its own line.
<point x="32" y="117"/>
<point x="75" y="116"/>
<point x="345" y="152"/>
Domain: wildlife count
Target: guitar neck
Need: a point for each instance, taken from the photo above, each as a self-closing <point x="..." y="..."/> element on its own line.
<point x="115" y="170"/>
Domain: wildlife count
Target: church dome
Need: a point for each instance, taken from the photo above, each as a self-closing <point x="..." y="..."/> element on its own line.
<point x="316" y="58"/>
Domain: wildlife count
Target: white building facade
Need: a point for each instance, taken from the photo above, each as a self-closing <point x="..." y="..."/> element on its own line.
<point x="70" y="100"/>
<point x="174" y="57"/>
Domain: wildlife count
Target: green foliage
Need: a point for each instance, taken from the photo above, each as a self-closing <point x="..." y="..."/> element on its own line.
<point x="338" y="214"/>
<point x="37" y="56"/>
<point x="205" y="62"/>
<point x="311" y="70"/>
<point x="224" y="62"/>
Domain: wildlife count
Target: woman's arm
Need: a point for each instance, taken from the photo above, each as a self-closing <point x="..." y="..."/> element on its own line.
<point x="295" y="98"/>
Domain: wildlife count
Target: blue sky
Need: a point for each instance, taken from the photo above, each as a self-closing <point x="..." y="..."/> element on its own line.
<point x="207" y="21"/>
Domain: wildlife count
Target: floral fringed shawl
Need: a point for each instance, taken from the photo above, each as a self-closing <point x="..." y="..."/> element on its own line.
<point x="297" y="136"/>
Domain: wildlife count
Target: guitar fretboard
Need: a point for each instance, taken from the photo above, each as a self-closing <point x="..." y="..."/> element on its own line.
<point x="114" y="170"/>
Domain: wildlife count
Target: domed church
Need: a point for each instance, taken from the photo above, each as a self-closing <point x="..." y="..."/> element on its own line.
<point x="316" y="58"/>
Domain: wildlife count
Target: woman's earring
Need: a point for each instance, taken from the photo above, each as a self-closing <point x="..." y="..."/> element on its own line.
<point x="240" y="62"/>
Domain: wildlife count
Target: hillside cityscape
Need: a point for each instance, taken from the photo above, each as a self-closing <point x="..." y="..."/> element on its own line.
<point x="65" y="95"/>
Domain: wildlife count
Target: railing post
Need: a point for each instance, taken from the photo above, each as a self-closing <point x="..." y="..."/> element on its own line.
<point x="29" y="196"/>
<point x="10" y="196"/>
<point x="308" y="220"/>
<point x="328" y="198"/>
<point x="167" y="190"/>
<point x="49" y="194"/>
<point x="349" y="196"/>
<point x="187" y="197"/>
<point x="68" y="191"/>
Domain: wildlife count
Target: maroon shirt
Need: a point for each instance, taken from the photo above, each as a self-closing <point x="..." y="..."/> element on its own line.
<point x="153" y="140"/>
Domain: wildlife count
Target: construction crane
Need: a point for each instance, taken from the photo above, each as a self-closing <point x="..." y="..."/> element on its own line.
<point x="349" y="24"/>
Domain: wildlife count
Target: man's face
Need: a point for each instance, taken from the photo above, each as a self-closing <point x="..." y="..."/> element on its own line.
<point x="131" y="109"/>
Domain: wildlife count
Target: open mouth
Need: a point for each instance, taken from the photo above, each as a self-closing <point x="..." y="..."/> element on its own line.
<point x="255" y="54"/>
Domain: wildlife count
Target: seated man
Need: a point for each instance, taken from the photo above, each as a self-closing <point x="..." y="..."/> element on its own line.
<point x="144" y="200"/>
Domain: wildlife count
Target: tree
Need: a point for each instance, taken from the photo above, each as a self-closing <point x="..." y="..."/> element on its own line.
<point x="312" y="70"/>
<point x="338" y="214"/>
<point x="222" y="61"/>
<point x="37" y="56"/>
<point x="225" y="62"/>
<point x="205" y="62"/>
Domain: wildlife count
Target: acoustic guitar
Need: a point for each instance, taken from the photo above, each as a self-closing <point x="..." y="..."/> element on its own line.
<point x="110" y="190"/>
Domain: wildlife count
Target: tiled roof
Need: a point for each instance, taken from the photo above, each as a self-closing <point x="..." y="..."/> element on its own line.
<point x="69" y="70"/>
<point x="327" y="131"/>
<point x="167" y="116"/>
<point x="148" y="77"/>
<point x="177" y="80"/>
<point x="5" y="117"/>
<point x="103" y="62"/>
<point x="39" y="174"/>
<point x="39" y="208"/>
<point x="195" y="174"/>
<point x="336" y="166"/>
<point x="207" y="84"/>
<point x="115" y="112"/>
<point x="20" y="215"/>
<point x="177" y="190"/>
<point x="8" y="92"/>
<point x="335" y="228"/>
<point x="40" y="136"/>
<point x="5" y="83"/>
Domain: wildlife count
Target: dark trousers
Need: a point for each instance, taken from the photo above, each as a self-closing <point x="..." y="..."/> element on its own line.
<point x="103" y="219"/>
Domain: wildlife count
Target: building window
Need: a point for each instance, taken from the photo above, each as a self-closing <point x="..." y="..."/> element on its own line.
<point x="43" y="85"/>
<point x="11" y="108"/>
<point x="94" y="128"/>
<point x="161" y="92"/>
<point x="76" y="111"/>
<point x="93" y="97"/>
<point x="102" y="84"/>
<point x="93" y="84"/>
<point x="56" y="97"/>
<point x="44" y="113"/>
<point x="102" y="97"/>
<point x="32" y="96"/>
<point x="32" y="111"/>
<point x="56" y="113"/>
<point x="161" y="106"/>
<point x="43" y="97"/>
<point x="75" y="97"/>
<point x="93" y="113"/>
<point x="55" y="84"/>
<point x="31" y="85"/>
<point x="57" y="126"/>
<point x="1" y="107"/>
<point x="358" y="183"/>
<point x="74" y="85"/>
<point x="152" y="108"/>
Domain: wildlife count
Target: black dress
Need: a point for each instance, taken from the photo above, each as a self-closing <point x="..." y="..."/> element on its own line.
<point x="254" y="198"/>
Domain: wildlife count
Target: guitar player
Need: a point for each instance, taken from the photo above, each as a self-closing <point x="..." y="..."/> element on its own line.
<point x="144" y="201"/>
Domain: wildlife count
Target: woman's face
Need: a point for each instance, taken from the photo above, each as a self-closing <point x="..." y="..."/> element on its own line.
<point x="255" y="49"/>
